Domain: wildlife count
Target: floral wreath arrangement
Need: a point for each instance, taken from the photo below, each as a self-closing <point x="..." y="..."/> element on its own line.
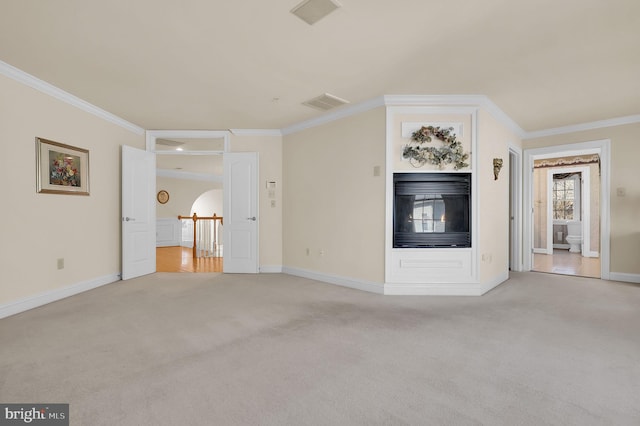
<point x="450" y="153"/>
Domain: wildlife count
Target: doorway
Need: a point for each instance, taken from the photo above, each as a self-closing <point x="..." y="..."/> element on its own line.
<point x="239" y="184"/>
<point x="174" y="247"/>
<point x="515" y="211"/>
<point x="566" y="188"/>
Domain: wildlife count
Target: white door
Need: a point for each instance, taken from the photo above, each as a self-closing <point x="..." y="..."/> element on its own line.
<point x="138" y="212"/>
<point x="240" y="212"/>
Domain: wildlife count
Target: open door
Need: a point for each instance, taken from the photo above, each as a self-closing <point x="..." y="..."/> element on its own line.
<point x="240" y="212"/>
<point x="138" y="212"/>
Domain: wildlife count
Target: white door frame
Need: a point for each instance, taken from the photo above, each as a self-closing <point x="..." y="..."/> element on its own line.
<point x="603" y="149"/>
<point x="153" y="135"/>
<point x="515" y="221"/>
<point x="585" y="205"/>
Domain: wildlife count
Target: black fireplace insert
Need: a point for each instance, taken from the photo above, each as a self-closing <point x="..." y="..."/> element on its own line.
<point x="431" y="210"/>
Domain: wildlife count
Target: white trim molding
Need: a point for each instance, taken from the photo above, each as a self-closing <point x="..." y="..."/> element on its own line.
<point x="49" y="89"/>
<point x="457" y="100"/>
<point x="515" y="189"/>
<point x="152" y="135"/>
<point x="336" y="280"/>
<point x="256" y="132"/>
<point x="409" y="100"/>
<point x="41" y="299"/>
<point x="445" y="289"/>
<point x="600" y="124"/>
<point x="621" y="276"/>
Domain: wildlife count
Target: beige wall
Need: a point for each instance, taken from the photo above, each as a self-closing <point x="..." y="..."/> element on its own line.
<point x="182" y="194"/>
<point x="625" y="210"/>
<point x="37" y="229"/>
<point x="333" y="201"/>
<point x="269" y="149"/>
<point x="494" y="140"/>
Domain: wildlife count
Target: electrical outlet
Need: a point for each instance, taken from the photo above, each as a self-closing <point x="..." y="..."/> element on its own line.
<point x="273" y="203"/>
<point x="308" y="251"/>
<point x="61" y="263"/>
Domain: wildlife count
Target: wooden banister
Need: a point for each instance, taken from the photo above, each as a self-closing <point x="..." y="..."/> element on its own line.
<point x="195" y="219"/>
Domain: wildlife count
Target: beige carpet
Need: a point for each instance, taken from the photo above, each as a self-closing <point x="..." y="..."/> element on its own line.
<point x="201" y="349"/>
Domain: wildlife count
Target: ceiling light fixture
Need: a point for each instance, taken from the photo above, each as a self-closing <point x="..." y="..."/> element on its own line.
<point x="311" y="11"/>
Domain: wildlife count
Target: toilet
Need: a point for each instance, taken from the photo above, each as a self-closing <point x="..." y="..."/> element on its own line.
<point x="574" y="236"/>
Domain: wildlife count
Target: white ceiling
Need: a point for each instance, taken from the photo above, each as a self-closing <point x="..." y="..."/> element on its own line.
<point x="195" y="64"/>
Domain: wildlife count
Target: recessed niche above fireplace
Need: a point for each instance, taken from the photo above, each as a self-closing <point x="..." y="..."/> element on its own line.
<point x="431" y="210"/>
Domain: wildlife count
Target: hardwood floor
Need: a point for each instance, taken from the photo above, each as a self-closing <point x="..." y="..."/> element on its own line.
<point x="566" y="263"/>
<point x="180" y="259"/>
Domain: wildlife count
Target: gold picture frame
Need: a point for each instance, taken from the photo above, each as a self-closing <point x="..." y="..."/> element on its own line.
<point x="61" y="168"/>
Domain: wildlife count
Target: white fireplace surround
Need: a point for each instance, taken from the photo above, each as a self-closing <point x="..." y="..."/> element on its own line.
<point x="431" y="271"/>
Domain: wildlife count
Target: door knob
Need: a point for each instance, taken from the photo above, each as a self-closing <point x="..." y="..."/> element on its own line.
<point x="129" y="219"/>
<point x="252" y="218"/>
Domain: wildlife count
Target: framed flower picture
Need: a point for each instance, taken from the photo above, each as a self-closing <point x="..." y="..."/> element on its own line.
<point x="61" y="169"/>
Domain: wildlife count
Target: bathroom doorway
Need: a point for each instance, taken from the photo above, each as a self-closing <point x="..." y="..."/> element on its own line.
<point x="568" y="225"/>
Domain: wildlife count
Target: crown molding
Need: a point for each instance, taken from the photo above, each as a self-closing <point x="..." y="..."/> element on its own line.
<point x="256" y="132"/>
<point x="503" y="118"/>
<point x="176" y="174"/>
<point x="457" y="100"/>
<point x="49" y="89"/>
<point x="388" y="100"/>
<point x="600" y="124"/>
<point x="410" y="100"/>
<point x="433" y="100"/>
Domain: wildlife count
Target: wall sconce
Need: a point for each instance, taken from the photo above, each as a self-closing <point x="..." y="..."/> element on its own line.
<point x="497" y="165"/>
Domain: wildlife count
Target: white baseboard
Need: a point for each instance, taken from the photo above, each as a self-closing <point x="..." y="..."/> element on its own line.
<point x="621" y="276"/>
<point x="271" y="269"/>
<point x="333" y="279"/>
<point x="540" y="251"/>
<point x="410" y="289"/>
<point x="593" y="254"/>
<point x="27" y="303"/>
<point x="445" y="289"/>
<point x="432" y="289"/>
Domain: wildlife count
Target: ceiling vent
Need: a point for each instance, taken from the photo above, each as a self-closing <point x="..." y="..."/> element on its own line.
<point x="325" y="102"/>
<point x="311" y="11"/>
